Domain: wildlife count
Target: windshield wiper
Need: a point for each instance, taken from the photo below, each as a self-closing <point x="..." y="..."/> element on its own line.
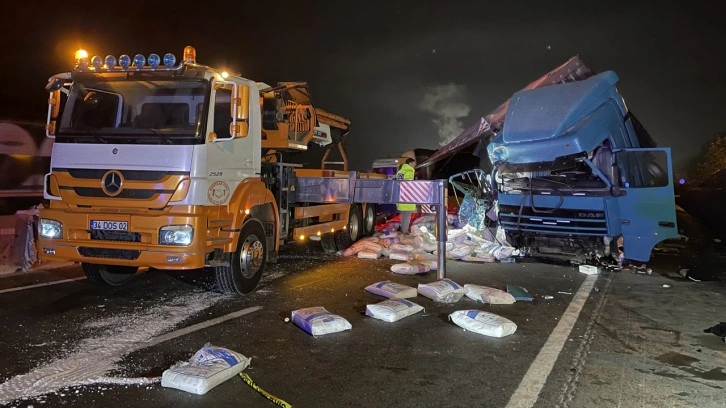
<point x="161" y="135"/>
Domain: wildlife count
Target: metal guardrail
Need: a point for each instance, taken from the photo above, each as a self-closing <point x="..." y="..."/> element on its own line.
<point x="381" y="191"/>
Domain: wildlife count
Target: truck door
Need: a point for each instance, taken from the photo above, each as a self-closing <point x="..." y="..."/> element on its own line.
<point x="647" y="204"/>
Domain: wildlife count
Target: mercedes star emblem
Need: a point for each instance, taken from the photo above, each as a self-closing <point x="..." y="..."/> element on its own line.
<point x="112" y="182"/>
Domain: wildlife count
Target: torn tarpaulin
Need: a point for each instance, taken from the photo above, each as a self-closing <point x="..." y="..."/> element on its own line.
<point x="719" y="330"/>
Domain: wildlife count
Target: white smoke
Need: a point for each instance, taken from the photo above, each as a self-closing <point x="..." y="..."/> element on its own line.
<point x="446" y="103"/>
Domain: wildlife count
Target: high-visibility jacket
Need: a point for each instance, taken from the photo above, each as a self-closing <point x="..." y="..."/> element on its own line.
<point x="406" y="173"/>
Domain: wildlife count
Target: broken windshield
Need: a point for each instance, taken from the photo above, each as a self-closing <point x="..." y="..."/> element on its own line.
<point x="144" y="111"/>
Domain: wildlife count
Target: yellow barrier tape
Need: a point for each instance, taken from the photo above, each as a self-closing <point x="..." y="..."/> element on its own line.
<point x="264" y="393"/>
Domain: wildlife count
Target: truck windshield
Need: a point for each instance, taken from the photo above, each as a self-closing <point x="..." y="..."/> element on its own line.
<point x="149" y="111"/>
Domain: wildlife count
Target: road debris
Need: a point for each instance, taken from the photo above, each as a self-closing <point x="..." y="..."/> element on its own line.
<point x="485" y="294"/>
<point x="520" y="293"/>
<point x="392" y="310"/>
<point x="208" y="367"/>
<point x="481" y="322"/>
<point x="392" y="290"/>
<point x="444" y="291"/>
<point x="589" y="269"/>
<point x="247" y="379"/>
<point x="318" y="321"/>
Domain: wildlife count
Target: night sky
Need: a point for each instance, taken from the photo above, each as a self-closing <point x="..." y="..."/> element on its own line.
<point x="408" y="74"/>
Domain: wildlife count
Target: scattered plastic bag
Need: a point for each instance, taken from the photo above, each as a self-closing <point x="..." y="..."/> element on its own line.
<point x="489" y="295"/>
<point x="445" y="291"/>
<point x="392" y="310"/>
<point x="208" y="367"/>
<point x="482" y="322"/>
<point x="392" y="290"/>
<point x="410" y="268"/>
<point x="318" y="321"/>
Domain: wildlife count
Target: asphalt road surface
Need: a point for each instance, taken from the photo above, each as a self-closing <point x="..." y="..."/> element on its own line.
<point x="618" y="339"/>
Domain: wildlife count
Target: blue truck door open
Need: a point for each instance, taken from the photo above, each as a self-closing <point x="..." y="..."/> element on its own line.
<point x="647" y="205"/>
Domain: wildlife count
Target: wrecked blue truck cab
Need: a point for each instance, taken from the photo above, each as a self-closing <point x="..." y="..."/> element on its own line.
<point x="577" y="177"/>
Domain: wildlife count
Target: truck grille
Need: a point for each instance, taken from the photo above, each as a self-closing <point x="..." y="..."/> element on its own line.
<point x="122" y="236"/>
<point x="562" y="221"/>
<point x="127" y="254"/>
<point x="132" y="175"/>
<point x="126" y="193"/>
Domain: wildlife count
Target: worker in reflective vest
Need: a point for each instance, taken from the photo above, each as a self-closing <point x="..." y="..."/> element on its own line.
<point x="406" y="173"/>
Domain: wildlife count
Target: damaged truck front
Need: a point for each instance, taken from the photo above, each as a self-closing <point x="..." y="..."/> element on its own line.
<point x="577" y="177"/>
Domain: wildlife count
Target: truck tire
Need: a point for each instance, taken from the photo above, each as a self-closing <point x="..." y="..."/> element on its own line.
<point x="369" y="220"/>
<point x="247" y="263"/>
<point x="342" y="240"/>
<point x="328" y="243"/>
<point x="109" y="275"/>
<point x="355" y="224"/>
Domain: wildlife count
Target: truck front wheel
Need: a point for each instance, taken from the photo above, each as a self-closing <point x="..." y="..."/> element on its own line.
<point x="111" y="275"/>
<point x="247" y="262"/>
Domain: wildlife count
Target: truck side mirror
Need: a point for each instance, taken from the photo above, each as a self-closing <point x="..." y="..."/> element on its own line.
<point x="54" y="101"/>
<point x="240" y="111"/>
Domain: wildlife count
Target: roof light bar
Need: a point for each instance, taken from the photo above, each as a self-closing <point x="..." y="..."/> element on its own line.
<point x="125" y="62"/>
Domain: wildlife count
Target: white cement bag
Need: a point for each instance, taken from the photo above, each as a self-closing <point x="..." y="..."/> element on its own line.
<point x="484" y="323"/>
<point x="445" y="291"/>
<point x="410" y="268"/>
<point x="371" y="246"/>
<point x="433" y="264"/>
<point x="424" y="256"/>
<point x="401" y="247"/>
<point x="459" y="252"/>
<point x="366" y="254"/>
<point x="489" y="295"/>
<point x="392" y="310"/>
<point x="392" y="290"/>
<point x="208" y="367"/>
<point x="456" y="236"/>
<point x="318" y="321"/>
<point x="400" y="256"/>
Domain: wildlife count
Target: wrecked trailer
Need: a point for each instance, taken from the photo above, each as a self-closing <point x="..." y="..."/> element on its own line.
<point x="574" y="175"/>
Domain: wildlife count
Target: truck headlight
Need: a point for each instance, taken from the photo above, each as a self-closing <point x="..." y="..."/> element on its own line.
<point x="176" y="235"/>
<point x="50" y="228"/>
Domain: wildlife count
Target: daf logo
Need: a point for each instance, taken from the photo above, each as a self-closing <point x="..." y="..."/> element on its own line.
<point x="589" y="215"/>
<point x="112" y="182"/>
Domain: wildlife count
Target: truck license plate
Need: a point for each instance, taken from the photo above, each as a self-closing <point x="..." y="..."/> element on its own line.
<point x="109" y="225"/>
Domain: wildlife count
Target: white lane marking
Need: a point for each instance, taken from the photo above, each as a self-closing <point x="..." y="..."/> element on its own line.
<point x="38" y="285"/>
<point x="531" y="385"/>
<point x="202" y="325"/>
